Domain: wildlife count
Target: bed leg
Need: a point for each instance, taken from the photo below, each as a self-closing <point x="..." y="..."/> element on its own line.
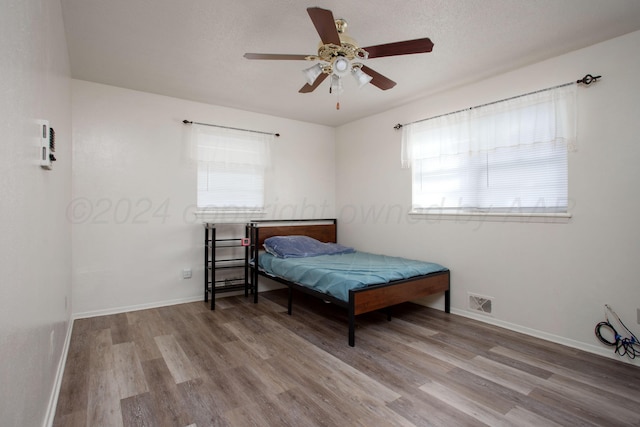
<point x="388" y="310"/>
<point x="447" y="302"/>
<point x="352" y="326"/>
<point x="255" y="284"/>
<point x="290" y="302"/>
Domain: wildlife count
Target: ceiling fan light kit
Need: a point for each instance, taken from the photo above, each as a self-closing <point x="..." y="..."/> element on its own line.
<point x="312" y="73"/>
<point x="337" y="52"/>
<point x="341" y="66"/>
<point x="360" y="76"/>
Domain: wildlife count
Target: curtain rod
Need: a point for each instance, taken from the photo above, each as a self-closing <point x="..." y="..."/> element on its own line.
<point x="586" y="80"/>
<point x="188" y="122"/>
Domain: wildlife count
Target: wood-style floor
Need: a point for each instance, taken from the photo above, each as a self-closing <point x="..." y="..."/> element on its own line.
<point x="248" y="364"/>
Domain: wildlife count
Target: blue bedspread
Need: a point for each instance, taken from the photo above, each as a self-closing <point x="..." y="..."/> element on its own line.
<point x="337" y="274"/>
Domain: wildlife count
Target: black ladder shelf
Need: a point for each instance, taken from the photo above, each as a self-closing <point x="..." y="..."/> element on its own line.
<point x="226" y="265"/>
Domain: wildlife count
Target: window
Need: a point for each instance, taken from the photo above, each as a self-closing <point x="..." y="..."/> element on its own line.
<point x="231" y="168"/>
<point x="506" y="157"/>
<point x="232" y="187"/>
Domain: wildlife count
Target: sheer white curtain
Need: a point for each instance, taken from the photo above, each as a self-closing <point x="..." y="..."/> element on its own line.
<point x="224" y="146"/>
<point x="547" y="116"/>
<point x="231" y="167"/>
<point x="508" y="156"/>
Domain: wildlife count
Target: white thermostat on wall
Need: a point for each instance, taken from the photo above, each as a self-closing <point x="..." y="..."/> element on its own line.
<point x="47" y="138"/>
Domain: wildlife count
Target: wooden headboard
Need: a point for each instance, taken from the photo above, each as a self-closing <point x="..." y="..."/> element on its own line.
<point x="324" y="230"/>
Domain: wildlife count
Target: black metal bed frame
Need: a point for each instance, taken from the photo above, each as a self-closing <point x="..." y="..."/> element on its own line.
<point x="253" y="233"/>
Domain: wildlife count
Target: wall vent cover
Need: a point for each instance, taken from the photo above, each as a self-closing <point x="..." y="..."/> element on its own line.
<point x="481" y="304"/>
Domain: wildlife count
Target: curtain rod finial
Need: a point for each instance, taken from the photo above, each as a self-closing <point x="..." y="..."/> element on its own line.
<point x="588" y="79"/>
<point x="187" y="122"/>
<point x="398" y="126"/>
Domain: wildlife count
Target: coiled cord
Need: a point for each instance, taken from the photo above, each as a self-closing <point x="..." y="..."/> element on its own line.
<point x="623" y="346"/>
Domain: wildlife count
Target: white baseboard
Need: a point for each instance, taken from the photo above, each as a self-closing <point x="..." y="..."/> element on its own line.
<point x="263" y="286"/>
<point x="57" y="384"/>
<point x="125" y="309"/>
<point x="600" y="351"/>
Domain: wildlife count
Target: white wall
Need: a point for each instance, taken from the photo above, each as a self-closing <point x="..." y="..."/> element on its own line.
<point x="35" y="250"/>
<point x="134" y="192"/>
<point x="551" y="280"/>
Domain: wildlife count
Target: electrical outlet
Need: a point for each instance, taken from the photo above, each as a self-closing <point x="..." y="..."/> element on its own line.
<point x="186" y="273"/>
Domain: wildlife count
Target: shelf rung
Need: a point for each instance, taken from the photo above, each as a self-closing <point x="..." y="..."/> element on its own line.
<point x="231" y="281"/>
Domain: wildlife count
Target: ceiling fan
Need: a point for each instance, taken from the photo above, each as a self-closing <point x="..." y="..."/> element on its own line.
<point x="339" y="55"/>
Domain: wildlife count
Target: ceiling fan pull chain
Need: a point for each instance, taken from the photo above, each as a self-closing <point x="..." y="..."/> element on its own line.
<point x="337" y="90"/>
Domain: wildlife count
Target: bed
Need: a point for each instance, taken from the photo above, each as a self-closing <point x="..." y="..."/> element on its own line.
<point x="369" y="291"/>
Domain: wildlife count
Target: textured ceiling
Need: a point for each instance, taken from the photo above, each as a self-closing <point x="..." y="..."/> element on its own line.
<point x="194" y="49"/>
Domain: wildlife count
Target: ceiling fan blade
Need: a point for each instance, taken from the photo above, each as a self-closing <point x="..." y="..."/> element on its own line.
<point x="378" y="80"/>
<point x="310" y="88"/>
<point x="274" y="56"/>
<point x="325" y="25"/>
<point x="400" y="48"/>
